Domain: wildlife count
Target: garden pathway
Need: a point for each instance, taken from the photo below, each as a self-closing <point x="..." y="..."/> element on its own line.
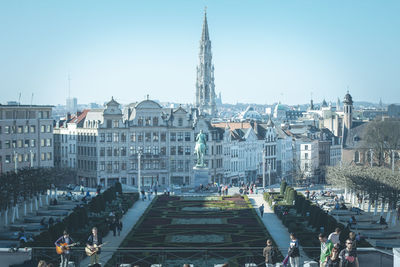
<point x="274" y="226"/>
<point x="128" y="221"/>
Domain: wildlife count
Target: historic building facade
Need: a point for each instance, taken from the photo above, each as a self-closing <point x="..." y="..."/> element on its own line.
<point x="26" y="137"/>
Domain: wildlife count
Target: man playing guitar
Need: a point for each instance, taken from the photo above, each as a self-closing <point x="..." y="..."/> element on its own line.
<point x="63" y="245"/>
<point x="94" y="244"/>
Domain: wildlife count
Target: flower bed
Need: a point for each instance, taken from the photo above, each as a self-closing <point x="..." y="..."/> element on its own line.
<point x="196" y="222"/>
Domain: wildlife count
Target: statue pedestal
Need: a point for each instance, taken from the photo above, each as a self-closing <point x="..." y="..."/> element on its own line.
<point x="200" y="176"/>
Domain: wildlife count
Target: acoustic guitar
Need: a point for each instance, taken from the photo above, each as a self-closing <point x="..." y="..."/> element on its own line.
<point x="61" y="248"/>
<point x="90" y="251"/>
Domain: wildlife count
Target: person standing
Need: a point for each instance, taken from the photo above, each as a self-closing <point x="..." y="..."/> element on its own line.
<point x="334" y="237"/>
<point x="326" y="249"/>
<point x="261" y="208"/>
<point x="119" y="226"/>
<point x="348" y="256"/>
<point x="113" y="225"/>
<point x="294" y="251"/>
<point x="63" y="242"/>
<point x="333" y="259"/>
<point x="93" y="243"/>
<point x="143" y="194"/>
<point x="270" y="253"/>
<point x="352" y="237"/>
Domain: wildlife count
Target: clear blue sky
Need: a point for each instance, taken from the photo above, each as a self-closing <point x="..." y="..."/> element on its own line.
<point x="263" y="51"/>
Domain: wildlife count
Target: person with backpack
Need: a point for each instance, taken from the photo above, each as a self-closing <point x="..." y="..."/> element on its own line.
<point x="270" y="253"/>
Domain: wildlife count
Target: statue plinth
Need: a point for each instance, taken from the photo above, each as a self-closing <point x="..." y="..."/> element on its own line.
<point x="200" y="176"/>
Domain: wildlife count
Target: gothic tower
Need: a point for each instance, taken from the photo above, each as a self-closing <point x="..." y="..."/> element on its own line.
<point x="205" y="88"/>
<point x="348" y="111"/>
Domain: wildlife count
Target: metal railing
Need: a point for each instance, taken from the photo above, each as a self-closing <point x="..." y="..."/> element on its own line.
<point x="198" y="256"/>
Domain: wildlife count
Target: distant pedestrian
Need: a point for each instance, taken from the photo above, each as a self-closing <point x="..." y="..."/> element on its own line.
<point x="119" y="226"/>
<point x="326" y="249"/>
<point x="113" y="226"/>
<point x="261" y="208"/>
<point x="270" y="254"/>
<point x="294" y="251"/>
<point x="143" y="194"/>
<point x="149" y="194"/>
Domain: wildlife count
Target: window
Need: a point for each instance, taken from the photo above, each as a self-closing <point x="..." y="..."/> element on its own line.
<point x="155" y="137"/>
<point x="102" y="165"/>
<point x="180" y="136"/>
<point x="133" y="150"/>
<point x="42" y="128"/>
<point x="187" y="150"/>
<point x="33" y="142"/>
<point x="42" y="142"/>
<point x="140" y="137"/>
<point x="115" y="124"/>
<point x="147" y="137"/>
<point x="20" y="129"/>
<point x="306" y="155"/>
<point x="148" y="150"/>
<point x="102" y="137"/>
<point x="116" y="165"/>
<point x="33" y="128"/>
<point x="173" y="150"/>
<point x="123" y="151"/>
<point x="109" y="151"/>
<point x="306" y="147"/>
<point x="163" y="151"/>
<point x="163" y="137"/>
<point x="48" y="128"/>
<point x="8" y="158"/>
<point x="180" y="122"/>
<point x="180" y="150"/>
<point x="109" y="137"/>
<point x="102" y="151"/>
<point x="7" y="144"/>
<point x="306" y="166"/>
<point x="116" y="137"/>
<point x="109" y="166"/>
<point x="187" y="136"/>
<point x="173" y="165"/>
<point x="172" y="137"/>
<point x="123" y="167"/>
<point x="133" y="137"/>
<point x="116" y="152"/>
<point x="155" y="121"/>
<point x="156" y="150"/>
<point x="148" y="121"/>
<point x="49" y="156"/>
<point x="123" y="137"/>
<point x="43" y="156"/>
<point x="140" y="121"/>
<point x="48" y="142"/>
<point x="109" y="123"/>
<point x="180" y="165"/>
<point x="357" y="156"/>
<point x="7" y="129"/>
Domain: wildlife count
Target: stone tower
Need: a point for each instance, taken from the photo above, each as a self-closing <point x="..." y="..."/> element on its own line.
<point x="205" y="88"/>
<point x="348" y="111"/>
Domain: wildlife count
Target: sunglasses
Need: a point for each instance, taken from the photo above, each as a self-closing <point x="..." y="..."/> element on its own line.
<point x="349" y="243"/>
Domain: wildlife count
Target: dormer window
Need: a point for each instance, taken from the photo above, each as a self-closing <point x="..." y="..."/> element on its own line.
<point x="180" y="122"/>
<point x="356" y="138"/>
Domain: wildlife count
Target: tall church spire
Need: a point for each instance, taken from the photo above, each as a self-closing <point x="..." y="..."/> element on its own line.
<point x="205" y="88"/>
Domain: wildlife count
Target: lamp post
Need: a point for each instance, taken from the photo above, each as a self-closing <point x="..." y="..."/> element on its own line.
<point x="392" y="161"/>
<point x="16" y="161"/>
<point x="269" y="176"/>
<point x="372" y="154"/>
<point x="263" y="167"/>
<point x="139" y="176"/>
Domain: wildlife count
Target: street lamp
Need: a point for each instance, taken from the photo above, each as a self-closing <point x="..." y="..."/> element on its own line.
<point x="139" y="178"/>
<point x="16" y="161"/>
<point x="263" y="166"/>
<point x="372" y="154"/>
<point x="269" y="176"/>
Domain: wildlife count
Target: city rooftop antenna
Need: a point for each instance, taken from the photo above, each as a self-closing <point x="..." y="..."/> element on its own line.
<point x="31" y="99"/>
<point x="69" y="86"/>
<point x="19" y="98"/>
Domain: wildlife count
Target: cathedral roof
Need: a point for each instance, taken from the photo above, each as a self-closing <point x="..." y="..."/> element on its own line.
<point x="148" y="104"/>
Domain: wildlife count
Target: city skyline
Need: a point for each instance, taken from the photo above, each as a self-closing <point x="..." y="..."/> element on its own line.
<point x="284" y="52"/>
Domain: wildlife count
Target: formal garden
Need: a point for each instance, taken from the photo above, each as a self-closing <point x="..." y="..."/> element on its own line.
<point x="199" y="230"/>
<point x="305" y="218"/>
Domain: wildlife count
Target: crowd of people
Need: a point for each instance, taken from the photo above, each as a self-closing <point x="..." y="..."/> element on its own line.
<point x="333" y="253"/>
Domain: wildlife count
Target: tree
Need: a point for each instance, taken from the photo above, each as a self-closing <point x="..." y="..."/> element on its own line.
<point x="382" y="137"/>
